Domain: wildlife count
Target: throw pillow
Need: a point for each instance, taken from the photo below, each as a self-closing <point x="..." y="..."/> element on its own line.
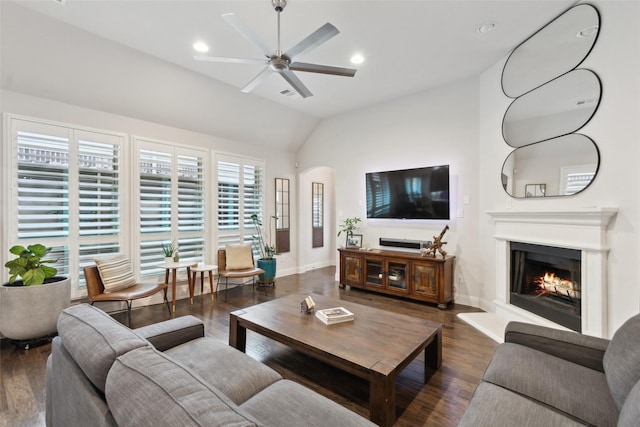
<point x="116" y="273"/>
<point x="239" y="257"/>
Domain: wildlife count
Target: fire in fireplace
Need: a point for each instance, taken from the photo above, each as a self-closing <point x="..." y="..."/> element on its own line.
<point x="546" y="281"/>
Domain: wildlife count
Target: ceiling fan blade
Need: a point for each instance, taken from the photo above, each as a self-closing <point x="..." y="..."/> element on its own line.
<point x="247" y="33"/>
<point x="313" y="40"/>
<point x="256" y="80"/>
<point x="295" y="82"/>
<point x="322" y="69"/>
<point x="231" y="60"/>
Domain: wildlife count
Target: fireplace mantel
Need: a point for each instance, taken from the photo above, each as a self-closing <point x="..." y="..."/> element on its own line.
<point x="581" y="229"/>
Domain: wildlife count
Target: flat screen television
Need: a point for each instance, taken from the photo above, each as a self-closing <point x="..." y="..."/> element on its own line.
<point x="420" y="193"/>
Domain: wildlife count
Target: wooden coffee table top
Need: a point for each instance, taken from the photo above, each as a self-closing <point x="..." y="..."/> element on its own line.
<point x="377" y="340"/>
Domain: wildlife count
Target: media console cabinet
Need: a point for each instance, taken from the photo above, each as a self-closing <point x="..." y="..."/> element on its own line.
<point x="399" y="273"/>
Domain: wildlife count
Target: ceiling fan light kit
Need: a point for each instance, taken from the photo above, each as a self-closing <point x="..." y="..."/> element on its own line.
<point x="282" y="63"/>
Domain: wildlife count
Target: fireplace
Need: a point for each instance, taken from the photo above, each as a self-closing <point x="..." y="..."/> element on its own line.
<point x="545" y="281"/>
<point x="582" y="231"/>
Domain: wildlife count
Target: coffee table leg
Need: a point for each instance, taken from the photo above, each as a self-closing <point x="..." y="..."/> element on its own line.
<point x="382" y="399"/>
<point x="433" y="354"/>
<point x="237" y="333"/>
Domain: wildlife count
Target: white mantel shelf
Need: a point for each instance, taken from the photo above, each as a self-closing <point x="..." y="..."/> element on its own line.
<point x="584" y="229"/>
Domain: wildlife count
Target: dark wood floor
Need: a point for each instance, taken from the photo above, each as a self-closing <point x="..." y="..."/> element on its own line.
<point x="440" y="402"/>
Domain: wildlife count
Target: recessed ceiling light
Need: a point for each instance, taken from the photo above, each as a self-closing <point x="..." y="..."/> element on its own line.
<point x="201" y="47"/>
<point x="588" y="31"/>
<point x="486" y="27"/>
<point x="357" y="59"/>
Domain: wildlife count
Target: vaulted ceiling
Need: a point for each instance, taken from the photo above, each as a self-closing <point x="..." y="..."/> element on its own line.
<point x="408" y="46"/>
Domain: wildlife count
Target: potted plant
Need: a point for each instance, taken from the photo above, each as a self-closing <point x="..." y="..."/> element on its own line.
<point x="29" y="308"/>
<point x="170" y="252"/>
<point x="348" y="226"/>
<point x="267" y="262"/>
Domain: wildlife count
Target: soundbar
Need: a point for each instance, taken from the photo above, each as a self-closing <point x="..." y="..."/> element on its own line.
<point x="404" y="243"/>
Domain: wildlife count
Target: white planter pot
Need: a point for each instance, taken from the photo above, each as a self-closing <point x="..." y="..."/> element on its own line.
<point x="28" y="312"/>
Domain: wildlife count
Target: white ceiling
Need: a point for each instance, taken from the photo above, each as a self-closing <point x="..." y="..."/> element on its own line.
<point x="409" y="46"/>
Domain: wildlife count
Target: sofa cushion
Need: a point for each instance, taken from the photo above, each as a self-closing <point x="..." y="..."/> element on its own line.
<point x="115" y="272"/>
<point x="304" y="408"/>
<point x="630" y="412"/>
<point x="622" y="360"/>
<point x="238" y="257"/>
<point x="492" y="406"/>
<point x="236" y="374"/>
<point x="556" y="382"/>
<point x="148" y="388"/>
<point x="94" y="339"/>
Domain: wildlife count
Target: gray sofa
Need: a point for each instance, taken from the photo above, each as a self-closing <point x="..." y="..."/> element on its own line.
<point x="547" y="377"/>
<point x="101" y="373"/>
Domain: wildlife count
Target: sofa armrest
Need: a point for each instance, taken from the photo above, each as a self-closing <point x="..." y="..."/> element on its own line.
<point x="582" y="349"/>
<point x="171" y="333"/>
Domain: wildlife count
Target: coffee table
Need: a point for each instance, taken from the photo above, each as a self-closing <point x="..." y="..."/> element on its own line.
<point x="376" y="346"/>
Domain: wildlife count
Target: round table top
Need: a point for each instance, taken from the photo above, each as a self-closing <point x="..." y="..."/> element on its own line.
<point x="178" y="264"/>
<point x="203" y="267"/>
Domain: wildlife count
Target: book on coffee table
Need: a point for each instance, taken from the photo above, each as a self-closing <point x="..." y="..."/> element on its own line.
<point x="334" y="315"/>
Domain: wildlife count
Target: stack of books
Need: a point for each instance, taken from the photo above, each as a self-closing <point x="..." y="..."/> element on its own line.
<point x="334" y="315"/>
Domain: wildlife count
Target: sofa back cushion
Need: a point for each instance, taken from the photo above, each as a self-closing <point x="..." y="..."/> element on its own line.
<point x="622" y="360"/>
<point x="630" y="413"/>
<point x="148" y="388"/>
<point x="94" y="339"/>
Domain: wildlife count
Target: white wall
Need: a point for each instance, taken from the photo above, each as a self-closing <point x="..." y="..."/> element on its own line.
<point x="431" y="128"/>
<point x="460" y="125"/>
<point x="616" y="60"/>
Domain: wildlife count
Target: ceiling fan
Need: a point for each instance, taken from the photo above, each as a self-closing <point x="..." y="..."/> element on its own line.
<point x="279" y="62"/>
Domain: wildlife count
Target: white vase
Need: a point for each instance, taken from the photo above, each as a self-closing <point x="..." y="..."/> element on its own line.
<point x="28" y="312"/>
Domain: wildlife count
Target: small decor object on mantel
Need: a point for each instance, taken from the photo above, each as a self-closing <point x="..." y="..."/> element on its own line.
<point x="307" y="305"/>
<point x="349" y="226"/>
<point x="436" y="246"/>
<point x="330" y="316"/>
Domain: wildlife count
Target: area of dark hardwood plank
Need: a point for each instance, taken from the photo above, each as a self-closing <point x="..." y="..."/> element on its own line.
<point x="439" y="402"/>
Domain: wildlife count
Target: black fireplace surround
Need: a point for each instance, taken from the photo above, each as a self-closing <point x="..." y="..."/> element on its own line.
<point x="546" y="281"/>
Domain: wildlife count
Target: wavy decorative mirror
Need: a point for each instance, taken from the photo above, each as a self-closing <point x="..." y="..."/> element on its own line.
<point x="564" y="166"/>
<point x="555" y="49"/>
<point x="556" y="108"/>
<point x="553" y="99"/>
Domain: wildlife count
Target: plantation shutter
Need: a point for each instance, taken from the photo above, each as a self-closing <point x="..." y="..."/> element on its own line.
<point x="67" y="193"/>
<point x="171" y="204"/>
<point x="240" y="195"/>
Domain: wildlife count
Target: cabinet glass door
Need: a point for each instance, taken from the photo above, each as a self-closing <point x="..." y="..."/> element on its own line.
<point x="375" y="272"/>
<point x="397" y="275"/>
<point x="425" y="280"/>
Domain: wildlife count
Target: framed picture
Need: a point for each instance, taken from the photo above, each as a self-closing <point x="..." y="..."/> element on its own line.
<point x="354" y="241"/>
<point x="535" y="190"/>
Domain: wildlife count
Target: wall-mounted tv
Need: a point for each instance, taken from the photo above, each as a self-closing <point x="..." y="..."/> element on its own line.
<point x="420" y="193"/>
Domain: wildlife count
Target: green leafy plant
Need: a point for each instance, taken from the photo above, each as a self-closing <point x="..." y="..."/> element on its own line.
<point x="267" y="250"/>
<point x="169" y="249"/>
<point x="349" y="225"/>
<point x="29" y="265"/>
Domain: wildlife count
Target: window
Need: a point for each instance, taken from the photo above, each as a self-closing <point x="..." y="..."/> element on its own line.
<point x="66" y="193"/>
<point x="171" y="205"/>
<point x="240" y="195"/>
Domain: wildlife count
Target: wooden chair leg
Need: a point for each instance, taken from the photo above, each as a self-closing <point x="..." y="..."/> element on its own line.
<point x="166" y="301"/>
<point x="129" y="312"/>
<point x="211" y="284"/>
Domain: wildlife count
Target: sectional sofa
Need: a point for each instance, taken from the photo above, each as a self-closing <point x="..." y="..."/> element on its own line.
<point x="101" y="373"/>
<point x="547" y="377"/>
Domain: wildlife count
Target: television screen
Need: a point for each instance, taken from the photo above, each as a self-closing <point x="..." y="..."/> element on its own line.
<point x="421" y="193"/>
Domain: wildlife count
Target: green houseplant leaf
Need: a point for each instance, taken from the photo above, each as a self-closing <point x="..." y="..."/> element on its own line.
<point x="29" y="265"/>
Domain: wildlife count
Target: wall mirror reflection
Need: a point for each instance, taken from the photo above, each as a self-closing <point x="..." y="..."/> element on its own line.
<point x="317" y="213"/>
<point x="566" y="165"/>
<point x="556" y="49"/>
<point x="283" y="215"/>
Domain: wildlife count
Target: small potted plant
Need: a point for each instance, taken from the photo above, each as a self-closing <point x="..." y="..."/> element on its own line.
<point x="267" y="262"/>
<point x="170" y="252"/>
<point x="29" y="308"/>
<point x="348" y="226"/>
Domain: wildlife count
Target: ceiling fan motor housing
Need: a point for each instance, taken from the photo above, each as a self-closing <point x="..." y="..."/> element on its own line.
<point x="279" y="63"/>
<point x="279" y="4"/>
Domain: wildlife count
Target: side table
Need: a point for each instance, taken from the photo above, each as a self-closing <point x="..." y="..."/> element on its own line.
<point x="202" y="268"/>
<point x="173" y="266"/>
